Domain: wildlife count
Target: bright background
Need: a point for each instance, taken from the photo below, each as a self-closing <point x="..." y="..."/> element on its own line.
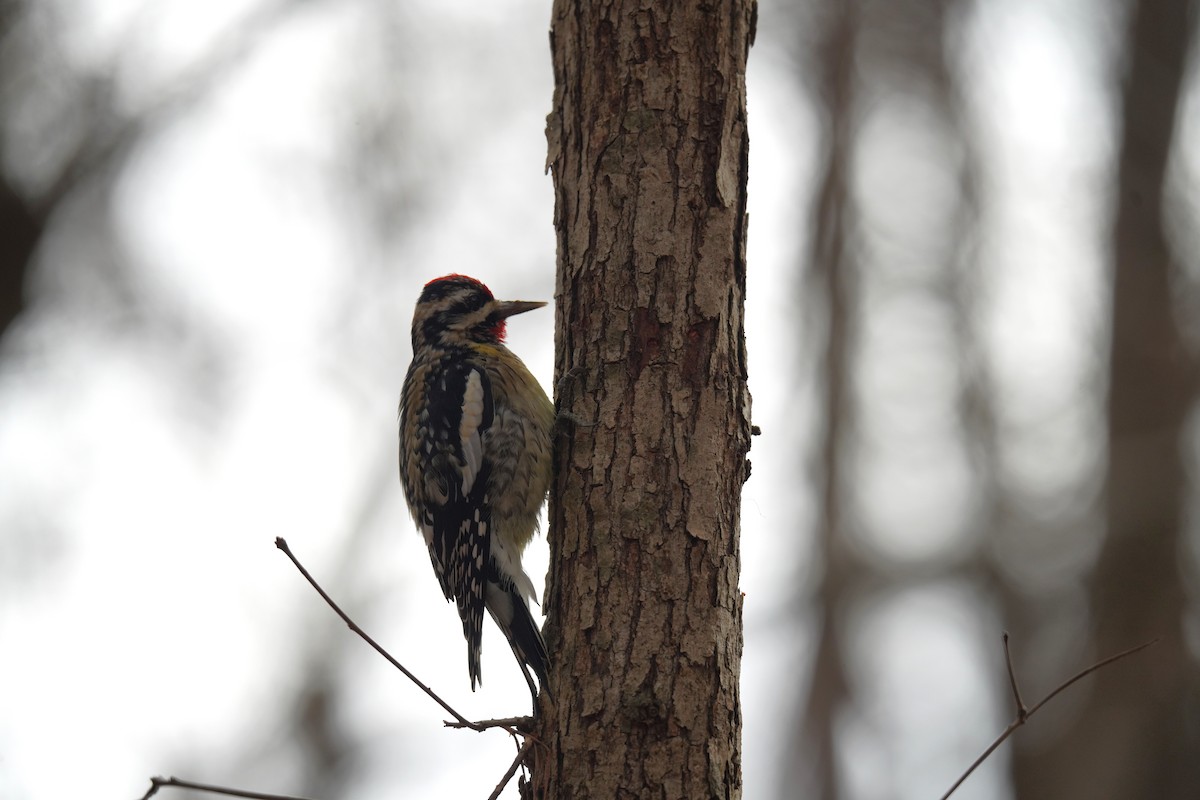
<point x="241" y="203"/>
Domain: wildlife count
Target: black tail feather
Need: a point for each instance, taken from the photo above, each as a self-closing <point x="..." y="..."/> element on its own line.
<point x="524" y="637"/>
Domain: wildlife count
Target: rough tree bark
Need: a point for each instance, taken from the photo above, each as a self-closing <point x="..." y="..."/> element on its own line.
<point x="1137" y="736"/>
<point x="648" y="148"/>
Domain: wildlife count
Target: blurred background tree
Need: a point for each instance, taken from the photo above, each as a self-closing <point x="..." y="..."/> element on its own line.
<point x="972" y="304"/>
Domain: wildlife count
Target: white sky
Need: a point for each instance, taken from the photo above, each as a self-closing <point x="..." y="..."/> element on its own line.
<point x="163" y="618"/>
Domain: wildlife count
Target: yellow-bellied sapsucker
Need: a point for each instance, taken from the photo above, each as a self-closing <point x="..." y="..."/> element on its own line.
<point x="475" y="442"/>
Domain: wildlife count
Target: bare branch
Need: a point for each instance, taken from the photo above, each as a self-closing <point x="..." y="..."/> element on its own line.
<point x="512" y="768"/>
<point x="462" y="721"/>
<point x="157" y="783"/>
<point x="521" y="725"/>
<point x="1023" y="715"/>
<point x="1084" y="673"/>
<point x="514" y="726"/>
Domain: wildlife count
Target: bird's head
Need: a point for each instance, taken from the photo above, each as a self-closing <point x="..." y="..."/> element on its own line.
<point x="456" y="309"/>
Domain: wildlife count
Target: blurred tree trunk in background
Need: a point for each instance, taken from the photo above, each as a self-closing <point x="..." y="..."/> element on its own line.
<point x="648" y="147"/>
<point x="868" y="56"/>
<point x="1139" y="733"/>
<point x="22" y="229"/>
<point x="812" y="767"/>
<point x="20" y="225"/>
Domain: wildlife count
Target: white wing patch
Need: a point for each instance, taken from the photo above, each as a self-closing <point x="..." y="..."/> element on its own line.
<point x="468" y="430"/>
<point x="510" y="565"/>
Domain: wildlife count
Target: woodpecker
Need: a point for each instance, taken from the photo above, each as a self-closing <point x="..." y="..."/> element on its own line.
<point x="475" y="444"/>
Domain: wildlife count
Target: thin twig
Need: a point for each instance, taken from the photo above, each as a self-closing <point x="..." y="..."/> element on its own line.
<point x="1022" y="717"/>
<point x="512" y="768"/>
<point x="157" y="783"/>
<point x="462" y="721"/>
<point x="1084" y="673"/>
<point x="522" y="725"/>
<point x="1022" y="712"/>
<point x="1012" y="726"/>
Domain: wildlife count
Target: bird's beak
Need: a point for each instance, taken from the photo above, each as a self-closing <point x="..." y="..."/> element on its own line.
<point x="509" y="308"/>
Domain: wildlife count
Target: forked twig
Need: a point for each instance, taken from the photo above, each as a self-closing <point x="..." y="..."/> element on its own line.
<point x="515" y="726"/>
<point x="1024" y="714"/>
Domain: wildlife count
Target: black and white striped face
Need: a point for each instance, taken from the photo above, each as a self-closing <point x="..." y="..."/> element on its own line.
<point x="455" y="309"/>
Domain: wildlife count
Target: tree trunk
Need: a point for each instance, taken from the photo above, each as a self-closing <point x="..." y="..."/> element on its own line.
<point x="1137" y="736"/>
<point x="648" y="147"/>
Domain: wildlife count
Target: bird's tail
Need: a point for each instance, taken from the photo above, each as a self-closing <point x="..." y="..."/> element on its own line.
<point x="511" y="612"/>
<point x="471" y="611"/>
